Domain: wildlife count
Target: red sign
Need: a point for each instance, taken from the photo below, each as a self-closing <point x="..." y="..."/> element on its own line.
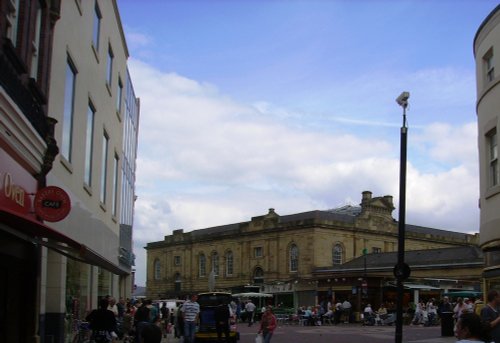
<point x="16" y="185"/>
<point x="52" y="203"/>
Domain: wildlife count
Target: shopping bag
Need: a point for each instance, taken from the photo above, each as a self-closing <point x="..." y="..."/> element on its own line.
<point x="258" y="338"/>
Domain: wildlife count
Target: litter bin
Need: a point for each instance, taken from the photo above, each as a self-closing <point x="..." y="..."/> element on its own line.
<point x="447" y="324"/>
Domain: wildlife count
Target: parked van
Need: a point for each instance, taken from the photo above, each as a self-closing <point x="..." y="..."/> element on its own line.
<point x="206" y="330"/>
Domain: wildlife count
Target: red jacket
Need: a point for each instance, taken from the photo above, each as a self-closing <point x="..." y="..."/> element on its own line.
<point x="268" y="322"/>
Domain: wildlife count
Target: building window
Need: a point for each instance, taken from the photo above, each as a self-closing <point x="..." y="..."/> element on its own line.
<point x="13" y="21"/>
<point x="229" y="263"/>
<point x="257" y="251"/>
<point x="376" y="250"/>
<point x="489" y="66"/>
<point x="116" y="170"/>
<point x="119" y="94"/>
<point x="177" y="260"/>
<point x="202" y="265"/>
<point x="215" y="263"/>
<point x="89" y="140"/>
<point x="294" y="258"/>
<point x="258" y="276"/>
<point x="69" y="100"/>
<point x="35" y="49"/>
<point x="492" y="146"/>
<point x="337" y="254"/>
<point x="178" y="282"/>
<point x="97" y="26"/>
<point x="109" y="67"/>
<point x="104" y="167"/>
<point x="157" y="271"/>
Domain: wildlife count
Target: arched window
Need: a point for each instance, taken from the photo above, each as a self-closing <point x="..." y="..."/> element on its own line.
<point x="229" y="263"/>
<point x="258" y="275"/>
<point x="294" y="258"/>
<point x="178" y="282"/>
<point x="157" y="269"/>
<point x="337" y="254"/>
<point x="215" y="263"/>
<point x="202" y="262"/>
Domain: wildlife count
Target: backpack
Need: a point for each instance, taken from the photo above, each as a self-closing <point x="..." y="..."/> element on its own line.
<point x="142" y="314"/>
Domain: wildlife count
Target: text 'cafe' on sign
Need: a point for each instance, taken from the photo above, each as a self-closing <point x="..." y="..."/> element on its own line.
<point x="52" y="203"/>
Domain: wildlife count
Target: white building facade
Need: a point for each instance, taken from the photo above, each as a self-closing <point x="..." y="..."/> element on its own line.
<point x="487" y="56"/>
<point x="92" y="98"/>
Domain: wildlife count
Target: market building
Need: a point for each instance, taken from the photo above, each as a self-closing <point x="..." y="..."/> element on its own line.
<point x="68" y="136"/>
<point x="486" y="47"/>
<point x="302" y="258"/>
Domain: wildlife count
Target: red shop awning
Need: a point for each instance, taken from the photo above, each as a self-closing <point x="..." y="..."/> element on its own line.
<point x="30" y="229"/>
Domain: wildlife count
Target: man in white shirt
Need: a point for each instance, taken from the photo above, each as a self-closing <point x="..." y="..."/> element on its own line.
<point x="249" y="309"/>
<point x="346" y="308"/>
<point x="190" y="313"/>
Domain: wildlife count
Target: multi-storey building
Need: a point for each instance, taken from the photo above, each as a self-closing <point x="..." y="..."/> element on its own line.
<point x="93" y="100"/>
<point x="27" y="150"/>
<point x="486" y="52"/>
<point x="296" y="257"/>
<point x="68" y="120"/>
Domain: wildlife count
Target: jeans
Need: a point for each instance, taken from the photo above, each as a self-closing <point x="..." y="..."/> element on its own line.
<point x="250" y="318"/>
<point x="267" y="337"/>
<point x="189" y="331"/>
<point x="138" y="330"/>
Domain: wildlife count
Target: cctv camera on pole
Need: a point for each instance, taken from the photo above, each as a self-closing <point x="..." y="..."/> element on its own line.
<point x="401" y="270"/>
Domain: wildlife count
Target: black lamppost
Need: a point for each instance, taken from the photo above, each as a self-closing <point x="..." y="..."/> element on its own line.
<point x="401" y="270"/>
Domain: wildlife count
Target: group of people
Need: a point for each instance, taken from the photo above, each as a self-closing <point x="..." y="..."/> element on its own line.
<point x="482" y="323"/>
<point x="379" y="317"/>
<point x="474" y="321"/>
<point x="428" y="313"/>
<point x="111" y="320"/>
<point x="316" y="315"/>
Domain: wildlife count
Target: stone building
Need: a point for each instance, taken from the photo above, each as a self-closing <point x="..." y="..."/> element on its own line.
<point x="284" y="255"/>
<point x="486" y="47"/>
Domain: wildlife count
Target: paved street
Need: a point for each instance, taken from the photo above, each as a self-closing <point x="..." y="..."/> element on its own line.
<point x="344" y="333"/>
<point x="348" y="333"/>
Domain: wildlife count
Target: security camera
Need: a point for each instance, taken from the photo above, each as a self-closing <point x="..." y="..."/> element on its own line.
<point x="402" y="100"/>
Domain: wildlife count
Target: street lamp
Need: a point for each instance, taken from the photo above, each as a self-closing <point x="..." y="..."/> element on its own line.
<point x="401" y="270"/>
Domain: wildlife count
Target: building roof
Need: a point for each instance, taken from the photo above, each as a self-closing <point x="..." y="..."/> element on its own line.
<point x="346" y="214"/>
<point x="455" y="256"/>
<point x="374" y="213"/>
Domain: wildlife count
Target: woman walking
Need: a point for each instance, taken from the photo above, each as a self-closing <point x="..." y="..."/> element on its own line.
<point x="471" y="329"/>
<point x="267" y="324"/>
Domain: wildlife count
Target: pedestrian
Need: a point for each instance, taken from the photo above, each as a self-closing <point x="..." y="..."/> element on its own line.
<point x="165" y="318"/>
<point x="346" y="309"/>
<point x="471" y="329"/>
<point x="128" y="321"/>
<point x="190" y="313"/>
<point x="489" y="314"/>
<point x="249" y="311"/>
<point x="154" y="315"/>
<point x="178" y="323"/>
<point x="460" y="308"/>
<point x="141" y="318"/>
<point x="151" y="333"/>
<point x="112" y="305"/>
<point x="267" y="324"/>
<point x="102" y="323"/>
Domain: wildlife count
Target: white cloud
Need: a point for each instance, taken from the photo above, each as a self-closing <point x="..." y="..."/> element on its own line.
<point x="205" y="160"/>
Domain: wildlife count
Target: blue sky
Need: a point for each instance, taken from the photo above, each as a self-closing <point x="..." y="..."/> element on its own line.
<point x="247" y="105"/>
